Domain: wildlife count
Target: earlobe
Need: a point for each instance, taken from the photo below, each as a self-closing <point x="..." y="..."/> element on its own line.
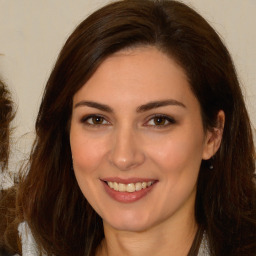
<point x="213" y="137"/>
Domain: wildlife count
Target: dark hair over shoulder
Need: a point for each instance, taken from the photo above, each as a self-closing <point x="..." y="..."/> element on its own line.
<point x="6" y="116"/>
<point x="59" y="216"/>
<point x="9" y="238"/>
<point x="8" y="227"/>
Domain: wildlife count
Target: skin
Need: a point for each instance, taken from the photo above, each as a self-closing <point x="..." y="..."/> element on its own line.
<point x="127" y="142"/>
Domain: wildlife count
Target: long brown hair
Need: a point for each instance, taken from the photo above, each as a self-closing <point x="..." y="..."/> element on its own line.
<point x="59" y="216"/>
<point x="8" y="227"/>
<point x="6" y="116"/>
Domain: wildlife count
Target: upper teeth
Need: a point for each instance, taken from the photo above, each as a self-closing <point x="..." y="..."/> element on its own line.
<point x="131" y="187"/>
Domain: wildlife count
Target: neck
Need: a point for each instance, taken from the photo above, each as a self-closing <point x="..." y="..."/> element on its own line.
<point x="172" y="237"/>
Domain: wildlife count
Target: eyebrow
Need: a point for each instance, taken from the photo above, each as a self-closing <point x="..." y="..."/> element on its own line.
<point x="158" y="104"/>
<point x="93" y="104"/>
<point x="142" y="108"/>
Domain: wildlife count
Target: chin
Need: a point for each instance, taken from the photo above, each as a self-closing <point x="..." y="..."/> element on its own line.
<point x="130" y="222"/>
<point x="130" y="227"/>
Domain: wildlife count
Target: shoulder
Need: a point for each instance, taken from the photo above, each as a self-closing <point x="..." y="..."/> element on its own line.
<point x="9" y="240"/>
<point x="204" y="247"/>
<point x="28" y="243"/>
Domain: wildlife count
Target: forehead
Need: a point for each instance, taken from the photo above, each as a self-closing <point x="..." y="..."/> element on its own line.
<point x="137" y="74"/>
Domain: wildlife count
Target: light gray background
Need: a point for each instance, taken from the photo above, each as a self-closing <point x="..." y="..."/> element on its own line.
<point x="32" y="33"/>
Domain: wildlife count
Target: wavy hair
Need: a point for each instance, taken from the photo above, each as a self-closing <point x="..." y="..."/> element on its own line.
<point x="6" y="116"/>
<point x="8" y="238"/>
<point x="59" y="216"/>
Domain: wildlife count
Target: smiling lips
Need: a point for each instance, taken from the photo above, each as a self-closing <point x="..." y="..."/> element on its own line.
<point x="130" y="187"/>
<point x="128" y="191"/>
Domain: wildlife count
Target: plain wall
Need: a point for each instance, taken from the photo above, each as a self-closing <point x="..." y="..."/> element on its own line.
<point x="32" y="33"/>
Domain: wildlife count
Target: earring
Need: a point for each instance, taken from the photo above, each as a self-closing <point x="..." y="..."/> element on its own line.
<point x="210" y="164"/>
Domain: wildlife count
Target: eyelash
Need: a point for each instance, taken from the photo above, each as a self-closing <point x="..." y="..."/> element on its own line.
<point x="167" y="121"/>
<point x="85" y="121"/>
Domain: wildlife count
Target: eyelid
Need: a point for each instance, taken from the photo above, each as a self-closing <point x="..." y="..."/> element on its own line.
<point x="168" y="118"/>
<point x="85" y="118"/>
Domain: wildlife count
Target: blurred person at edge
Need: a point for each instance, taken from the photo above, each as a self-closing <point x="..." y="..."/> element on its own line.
<point x="8" y="237"/>
<point x="144" y="145"/>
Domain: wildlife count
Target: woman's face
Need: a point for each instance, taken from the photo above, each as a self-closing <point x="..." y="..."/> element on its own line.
<point x="137" y="140"/>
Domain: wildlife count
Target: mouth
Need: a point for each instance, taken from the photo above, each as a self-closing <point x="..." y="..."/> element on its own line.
<point x="128" y="190"/>
<point x="130" y="187"/>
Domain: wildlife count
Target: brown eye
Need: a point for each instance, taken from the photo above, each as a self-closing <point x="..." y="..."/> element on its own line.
<point x="94" y="120"/>
<point x="97" y="120"/>
<point x="159" y="121"/>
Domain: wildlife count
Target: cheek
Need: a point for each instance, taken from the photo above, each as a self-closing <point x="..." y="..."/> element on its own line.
<point x="179" y="152"/>
<point x="86" y="158"/>
<point x="86" y="153"/>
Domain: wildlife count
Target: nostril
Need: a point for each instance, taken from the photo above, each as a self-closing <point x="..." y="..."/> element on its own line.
<point x="126" y="153"/>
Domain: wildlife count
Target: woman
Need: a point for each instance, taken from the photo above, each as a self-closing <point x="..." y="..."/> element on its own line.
<point x="8" y="227"/>
<point x="144" y="145"/>
<point x="6" y="116"/>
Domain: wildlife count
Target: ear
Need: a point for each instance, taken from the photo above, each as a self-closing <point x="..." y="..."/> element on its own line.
<point x="213" y="137"/>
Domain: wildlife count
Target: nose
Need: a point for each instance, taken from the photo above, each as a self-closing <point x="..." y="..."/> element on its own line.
<point x="126" y="149"/>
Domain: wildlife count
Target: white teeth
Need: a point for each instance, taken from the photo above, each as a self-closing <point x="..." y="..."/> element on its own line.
<point x="138" y="186"/>
<point x="115" y="186"/>
<point x="131" y="187"/>
<point x="121" y="187"/>
<point x="111" y="184"/>
<point x="144" y="184"/>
